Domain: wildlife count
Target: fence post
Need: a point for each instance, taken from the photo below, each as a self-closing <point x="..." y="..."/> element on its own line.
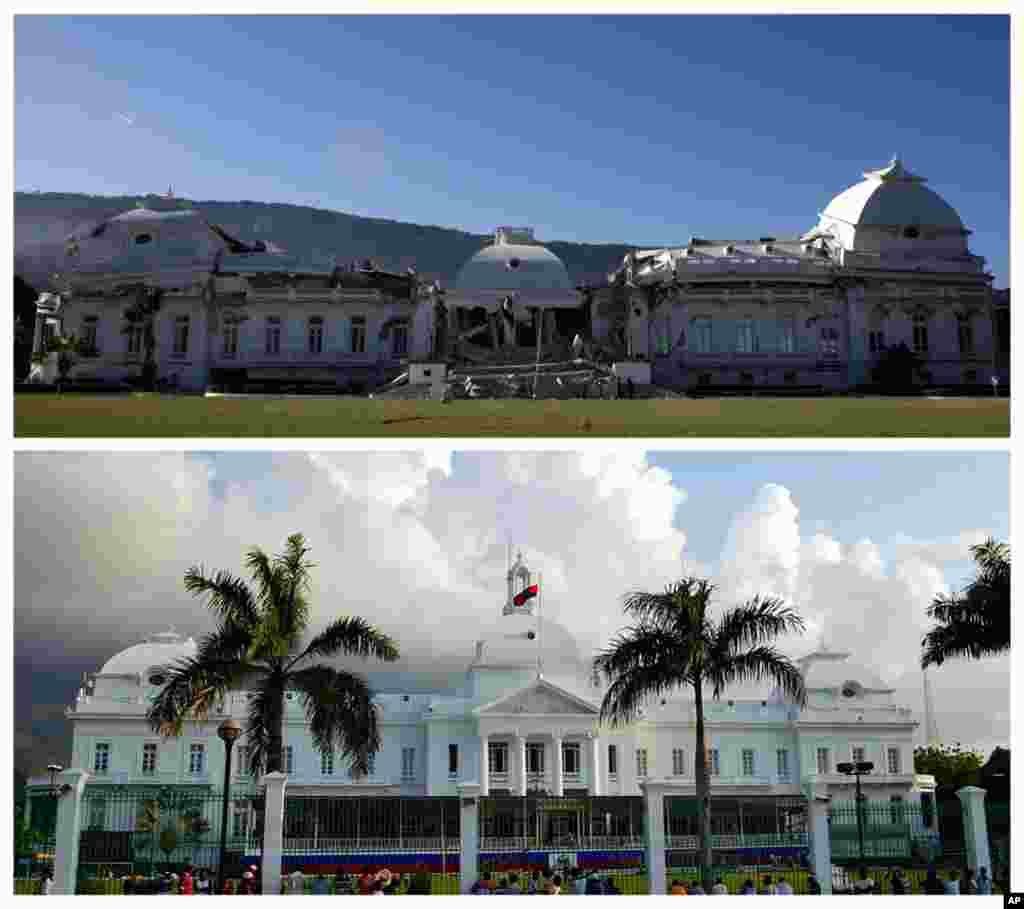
<point x="972" y="804"/>
<point x="69" y="831"/>
<point x="469" y="833"/>
<point x="654" y="834"/>
<point x="819" y="834"/>
<point x="273" y="832"/>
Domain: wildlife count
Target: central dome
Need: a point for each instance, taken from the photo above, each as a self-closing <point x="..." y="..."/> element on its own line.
<point x="514" y="262"/>
<point x="515" y="641"/>
<point x="157" y="650"/>
<point x="893" y="197"/>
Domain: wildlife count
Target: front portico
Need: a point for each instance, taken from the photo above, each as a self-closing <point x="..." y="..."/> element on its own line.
<point x="542" y="738"/>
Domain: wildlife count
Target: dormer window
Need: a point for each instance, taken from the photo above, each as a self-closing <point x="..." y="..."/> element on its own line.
<point x="852" y="689"/>
<point x="143" y="239"/>
<point x="514" y="262"/>
<point x="911" y="233"/>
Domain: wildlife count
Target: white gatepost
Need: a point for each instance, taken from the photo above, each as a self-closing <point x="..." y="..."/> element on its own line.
<point x="654" y="833"/>
<point x="69" y="831"/>
<point x="818" y="834"/>
<point x="273" y="833"/>
<point x="972" y="805"/>
<point x="469" y="835"/>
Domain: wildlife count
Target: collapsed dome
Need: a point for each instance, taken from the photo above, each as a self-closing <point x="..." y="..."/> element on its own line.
<point x="515" y="261"/>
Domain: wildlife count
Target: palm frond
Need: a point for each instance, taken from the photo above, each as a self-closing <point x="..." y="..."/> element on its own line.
<point x="757" y="664"/>
<point x="758" y="621"/>
<point x="352" y="636"/>
<point x="641" y="662"/>
<point x="341" y="714"/>
<point x="228" y="596"/>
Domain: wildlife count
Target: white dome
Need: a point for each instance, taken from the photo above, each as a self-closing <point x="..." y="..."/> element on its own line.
<point x="507" y="644"/>
<point x="157" y="650"/>
<point x="513" y="262"/>
<point x="826" y="669"/>
<point x="893" y="197"/>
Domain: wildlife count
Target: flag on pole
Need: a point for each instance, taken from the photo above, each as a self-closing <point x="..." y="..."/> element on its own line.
<point x="527" y="593"/>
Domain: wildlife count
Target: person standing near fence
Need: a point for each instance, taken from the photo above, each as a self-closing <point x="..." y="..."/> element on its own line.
<point x="187" y="882"/>
<point x="952" y="886"/>
<point x="719" y="889"/>
<point x="984" y="883"/>
<point x="47" y="883"/>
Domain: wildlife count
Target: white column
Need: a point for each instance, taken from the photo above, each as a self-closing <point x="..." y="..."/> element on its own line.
<point x="469" y="835"/>
<point x="818" y="834"/>
<point x="273" y="833"/>
<point x="521" y="761"/>
<point x="557" y="766"/>
<point x="69" y="830"/>
<point x="972" y="805"/>
<point x="484" y="769"/>
<point x="595" y="765"/>
<point x="654" y="835"/>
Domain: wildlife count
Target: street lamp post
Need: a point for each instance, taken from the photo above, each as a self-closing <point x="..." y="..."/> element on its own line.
<point x="228" y="731"/>
<point x="857" y="770"/>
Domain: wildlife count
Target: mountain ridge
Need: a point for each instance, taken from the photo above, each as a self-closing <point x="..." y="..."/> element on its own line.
<point x="42" y="221"/>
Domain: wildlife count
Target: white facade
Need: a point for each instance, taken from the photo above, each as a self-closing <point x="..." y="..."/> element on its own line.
<point x="525" y="719"/>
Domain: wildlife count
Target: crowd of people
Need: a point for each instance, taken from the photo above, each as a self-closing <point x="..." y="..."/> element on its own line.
<point x="546" y="883"/>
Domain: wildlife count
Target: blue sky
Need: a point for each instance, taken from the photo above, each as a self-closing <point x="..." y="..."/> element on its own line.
<point x="600" y="129"/>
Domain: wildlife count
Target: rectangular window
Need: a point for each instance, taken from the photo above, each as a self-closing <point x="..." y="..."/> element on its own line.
<point x="641" y="762"/>
<point x="893" y="760"/>
<point x="453" y="761"/>
<point x="700" y="336"/>
<point x="239" y="820"/>
<point x="748" y="761"/>
<point x="316" y="336"/>
<point x="965" y="335"/>
<point x="230" y="348"/>
<point x="149" y="758"/>
<point x="497" y="757"/>
<point x="89" y="331"/>
<point x="196" y="758"/>
<point x="534" y="758"/>
<point x="876" y="341"/>
<point x="358" y="334"/>
<point x="288" y="759"/>
<point x="101" y="761"/>
<point x="134" y="335"/>
<point x="745" y="339"/>
<point x="782" y="763"/>
<point x="408" y="763"/>
<point x="372" y="762"/>
<point x="613" y="760"/>
<point x="400" y="340"/>
<point x="570" y="759"/>
<point x="920" y="334"/>
<point x="273" y="344"/>
<point x="327" y="763"/>
<point x="830" y="342"/>
<point x="678" y="762"/>
<point x="787" y="336"/>
<point x="857" y="754"/>
<point x="716" y="765"/>
<point x="181" y="324"/>
<point x="824" y="764"/>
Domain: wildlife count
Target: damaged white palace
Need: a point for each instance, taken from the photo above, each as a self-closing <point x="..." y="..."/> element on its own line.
<point x="887" y="265"/>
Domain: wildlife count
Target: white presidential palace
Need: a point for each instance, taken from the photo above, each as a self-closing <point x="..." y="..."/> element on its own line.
<point x="524" y="723"/>
<point x="887" y="264"/>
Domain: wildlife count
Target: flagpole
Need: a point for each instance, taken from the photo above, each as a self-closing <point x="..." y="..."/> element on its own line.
<point x="540" y="593"/>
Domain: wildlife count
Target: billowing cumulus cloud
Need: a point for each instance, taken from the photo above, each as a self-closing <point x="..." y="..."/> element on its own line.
<point x="418" y="544"/>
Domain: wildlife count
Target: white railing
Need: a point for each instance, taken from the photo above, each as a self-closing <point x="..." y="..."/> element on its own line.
<point x="327" y="845"/>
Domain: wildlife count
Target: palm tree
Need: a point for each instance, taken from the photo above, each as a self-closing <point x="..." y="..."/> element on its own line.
<point x="674" y="643"/>
<point x="975" y="622"/>
<point x="258" y="644"/>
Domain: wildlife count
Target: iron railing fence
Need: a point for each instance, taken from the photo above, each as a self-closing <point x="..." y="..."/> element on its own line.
<point x="756" y="823"/>
<point x="334" y="825"/>
<point x="525" y="823"/>
<point x="145" y="828"/>
<point x="883" y="832"/>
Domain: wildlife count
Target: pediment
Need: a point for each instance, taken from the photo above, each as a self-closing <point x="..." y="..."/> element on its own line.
<point x="541" y="698"/>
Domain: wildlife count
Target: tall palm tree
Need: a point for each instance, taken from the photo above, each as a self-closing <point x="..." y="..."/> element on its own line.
<point x="257" y="645"/>
<point x="976" y="621"/>
<point x="674" y="643"/>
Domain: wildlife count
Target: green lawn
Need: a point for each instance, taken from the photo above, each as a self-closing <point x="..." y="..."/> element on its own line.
<point x="156" y="416"/>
